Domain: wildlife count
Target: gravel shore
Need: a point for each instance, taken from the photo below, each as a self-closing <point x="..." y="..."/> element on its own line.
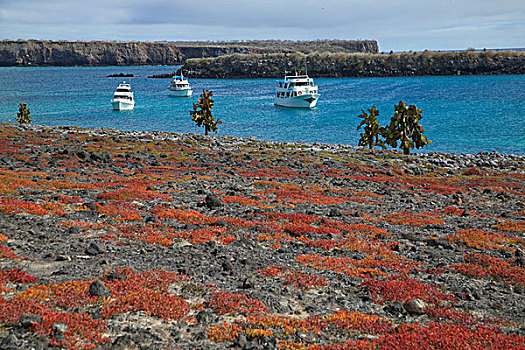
<point x="153" y="240"/>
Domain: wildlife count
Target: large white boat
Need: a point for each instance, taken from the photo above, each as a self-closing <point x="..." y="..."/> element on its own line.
<point x="297" y="91"/>
<point x="123" y="98"/>
<point x="180" y="87"/>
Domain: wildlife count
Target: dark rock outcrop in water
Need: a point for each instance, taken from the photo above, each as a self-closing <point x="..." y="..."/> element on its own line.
<point x="359" y="65"/>
<point x="111" y="53"/>
<point x="121" y="75"/>
<point x="162" y="76"/>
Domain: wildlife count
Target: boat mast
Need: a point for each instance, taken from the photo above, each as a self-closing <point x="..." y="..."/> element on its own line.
<point x="306" y="67"/>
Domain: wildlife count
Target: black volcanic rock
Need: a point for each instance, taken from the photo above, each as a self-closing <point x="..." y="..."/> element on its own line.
<point x="212" y="201"/>
<point x="97" y="288"/>
<point x="120" y="75"/>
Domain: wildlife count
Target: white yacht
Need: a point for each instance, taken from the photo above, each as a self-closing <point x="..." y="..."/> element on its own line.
<point x="297" y="91"/>
<point x="180" y="87"/>
<point x="123" y="98"/>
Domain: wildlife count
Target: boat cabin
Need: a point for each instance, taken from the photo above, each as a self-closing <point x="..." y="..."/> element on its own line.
<point x="295" y="85"/>
<point x="123" y="92"/>
<point x="123" y="97"/>
<point x="180" y="82"/>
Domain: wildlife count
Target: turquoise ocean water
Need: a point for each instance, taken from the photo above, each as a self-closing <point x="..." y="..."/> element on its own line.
<point x="462" y="114"/>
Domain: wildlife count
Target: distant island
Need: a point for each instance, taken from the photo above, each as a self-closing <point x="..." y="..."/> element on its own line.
<point x="117" y="53"/>
<point x="317" y="64"/>
<point x="262" y="58"/>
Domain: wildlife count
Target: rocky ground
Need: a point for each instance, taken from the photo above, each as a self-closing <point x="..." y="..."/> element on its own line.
<point x="131" y="240"/>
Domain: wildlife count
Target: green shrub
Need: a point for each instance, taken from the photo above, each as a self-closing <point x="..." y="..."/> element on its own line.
<point x="201" y="113"/>
<point x="404" y="127"/>
<point x="372" y="130"/>
<point x="24" y="114"/>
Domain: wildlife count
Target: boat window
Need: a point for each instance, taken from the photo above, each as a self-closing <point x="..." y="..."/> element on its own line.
<point x="301" y="83"/>
<point x="122" y="90"/>
<point x="287" y="94"/>
<point x="280" y="85"/>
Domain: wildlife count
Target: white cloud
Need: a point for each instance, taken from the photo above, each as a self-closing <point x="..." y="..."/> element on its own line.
<point x="398" y="25"/>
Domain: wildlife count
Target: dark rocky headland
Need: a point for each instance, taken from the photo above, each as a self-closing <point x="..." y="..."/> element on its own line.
<point x="135" y="240"/>
<point x="115" y="53"/>
<point x="261" y="59"/>
<point x="358" y="64"/>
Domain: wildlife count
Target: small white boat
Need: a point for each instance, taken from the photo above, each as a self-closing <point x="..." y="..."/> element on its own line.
<point x="123" y="98"/>
<point x="297" y="91"/>
<point x="180" y="87"/>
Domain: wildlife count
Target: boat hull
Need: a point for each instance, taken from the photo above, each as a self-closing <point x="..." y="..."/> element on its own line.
<point x="119" y="105"/>
<point x="303" y="101"/>
<point x="181" y="93"/>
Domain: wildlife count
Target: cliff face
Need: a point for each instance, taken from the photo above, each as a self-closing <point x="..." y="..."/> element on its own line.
<point x="105" y="53"/>
<point x="359" y="65"/>
<point x="53" y="53"/>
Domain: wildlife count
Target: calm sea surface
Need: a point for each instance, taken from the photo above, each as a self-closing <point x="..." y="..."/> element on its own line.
<point x="462" y="114"/>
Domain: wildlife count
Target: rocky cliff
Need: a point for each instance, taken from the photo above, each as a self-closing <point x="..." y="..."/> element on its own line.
<point x="106" y="53"/>
<point x="359" y="65"/>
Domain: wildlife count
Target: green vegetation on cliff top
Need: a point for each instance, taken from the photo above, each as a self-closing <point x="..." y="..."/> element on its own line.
<point x="359" y="64"/>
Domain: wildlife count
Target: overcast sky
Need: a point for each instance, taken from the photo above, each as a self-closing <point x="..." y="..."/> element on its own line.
<point x="396" y="24"/>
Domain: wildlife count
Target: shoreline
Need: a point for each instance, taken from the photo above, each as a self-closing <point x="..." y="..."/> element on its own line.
<point x="164" y="76"/>
<point x="169" y="75"/>
<point x="232" y="140"/>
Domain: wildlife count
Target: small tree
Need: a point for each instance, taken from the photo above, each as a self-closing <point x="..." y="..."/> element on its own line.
<point x="24" y="114"/>
<point x="404" y="127"/>
<point x="372" y="131"/>
<point x="201" y="113"/>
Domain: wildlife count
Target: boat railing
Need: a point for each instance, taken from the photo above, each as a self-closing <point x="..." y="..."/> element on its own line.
<point x="296" y="77"/>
